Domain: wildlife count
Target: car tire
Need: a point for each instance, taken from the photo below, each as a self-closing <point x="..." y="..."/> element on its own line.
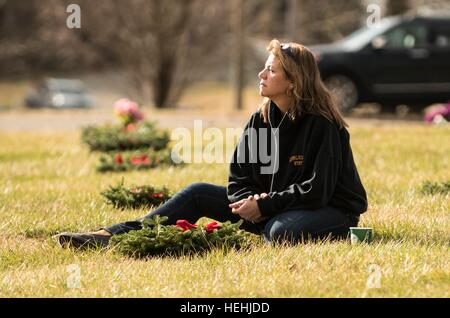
<point x="344" y="90"/>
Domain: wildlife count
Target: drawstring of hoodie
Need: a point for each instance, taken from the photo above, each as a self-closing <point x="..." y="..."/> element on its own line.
<point x="276" y="147"/>
<point x="305" y="186"/>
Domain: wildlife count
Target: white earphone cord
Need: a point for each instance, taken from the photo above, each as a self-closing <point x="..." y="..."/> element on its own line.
<point x="276" y="151"/>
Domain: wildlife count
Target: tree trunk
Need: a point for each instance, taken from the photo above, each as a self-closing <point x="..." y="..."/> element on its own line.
<point x="291" y="21"/>
<point x="162" y="84"/>
<point x="397" y="7"/>
<point x="238" y="53"/>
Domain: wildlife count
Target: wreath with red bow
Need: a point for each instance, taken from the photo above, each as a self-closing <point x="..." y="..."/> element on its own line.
<point x="135" y="196"/>
<point x="156" y="239"/>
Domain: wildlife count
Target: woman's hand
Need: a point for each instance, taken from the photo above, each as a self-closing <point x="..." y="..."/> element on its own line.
<point x="237" y="204"/>
<point x="248" y="208"/>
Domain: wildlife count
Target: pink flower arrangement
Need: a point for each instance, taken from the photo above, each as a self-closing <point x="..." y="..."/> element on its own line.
<point x="437" y="115"/>
<point x="128" y="112"/>
<point x="130" y="127"/>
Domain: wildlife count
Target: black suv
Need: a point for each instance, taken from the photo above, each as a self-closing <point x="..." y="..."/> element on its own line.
<point x="403" y="60"/>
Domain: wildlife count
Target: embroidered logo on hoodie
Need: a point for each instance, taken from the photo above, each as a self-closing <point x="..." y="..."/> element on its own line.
<point x="297" y="160"/>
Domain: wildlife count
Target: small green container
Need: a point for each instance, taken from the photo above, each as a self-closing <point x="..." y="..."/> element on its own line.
<point x="361" y="235"/>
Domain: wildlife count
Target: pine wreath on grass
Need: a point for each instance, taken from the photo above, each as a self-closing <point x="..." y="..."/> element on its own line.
<point x="137" y="160"/>
<point x="134" y="197"/>
<point x="157" y="239"/>
<point x="119" y="138"/>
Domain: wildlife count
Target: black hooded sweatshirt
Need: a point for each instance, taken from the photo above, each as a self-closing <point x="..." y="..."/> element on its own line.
<point x="316" y="166"/>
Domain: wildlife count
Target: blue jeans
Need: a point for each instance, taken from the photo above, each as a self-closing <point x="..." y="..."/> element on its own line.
<point x="209" y="200"/>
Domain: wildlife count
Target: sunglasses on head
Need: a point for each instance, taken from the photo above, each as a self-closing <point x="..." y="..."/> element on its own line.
<point x="286" y="48"/>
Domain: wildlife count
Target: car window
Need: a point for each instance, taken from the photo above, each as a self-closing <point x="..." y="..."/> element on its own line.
<point x="407" y="37"/>
<point x="364" y="35"/>
<point x="43" y="89"/>
<point x="440" y="37"/>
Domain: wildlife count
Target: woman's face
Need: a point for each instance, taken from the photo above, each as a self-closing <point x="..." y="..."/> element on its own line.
<point x="273" y="81"/>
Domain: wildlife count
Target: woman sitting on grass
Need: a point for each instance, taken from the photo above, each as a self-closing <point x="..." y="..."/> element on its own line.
<point x="307" y="188"/>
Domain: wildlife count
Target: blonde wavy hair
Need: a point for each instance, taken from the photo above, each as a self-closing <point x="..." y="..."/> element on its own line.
<point x="309" y="95"/>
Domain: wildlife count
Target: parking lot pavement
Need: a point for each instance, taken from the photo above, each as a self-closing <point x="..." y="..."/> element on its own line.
<point x="70" y="120"/>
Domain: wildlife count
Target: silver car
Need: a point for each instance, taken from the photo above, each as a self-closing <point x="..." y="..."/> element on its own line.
<point x="59" y="93"/>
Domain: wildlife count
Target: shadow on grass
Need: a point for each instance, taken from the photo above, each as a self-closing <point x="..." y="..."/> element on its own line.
<point x="44" y="233"/>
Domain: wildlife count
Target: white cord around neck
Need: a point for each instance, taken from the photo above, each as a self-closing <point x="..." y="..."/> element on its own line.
<point x="275" y="134"/>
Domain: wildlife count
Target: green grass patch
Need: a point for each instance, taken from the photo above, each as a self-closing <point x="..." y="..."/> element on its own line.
<point x="49" y="185"/>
